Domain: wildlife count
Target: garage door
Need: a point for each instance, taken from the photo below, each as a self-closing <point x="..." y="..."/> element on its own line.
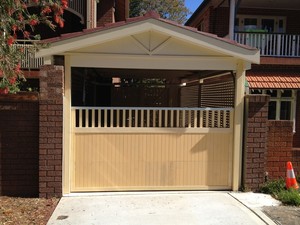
<point x="194" y="152"/>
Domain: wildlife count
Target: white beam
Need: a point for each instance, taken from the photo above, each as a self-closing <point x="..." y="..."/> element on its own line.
<point x="152" y="62"/>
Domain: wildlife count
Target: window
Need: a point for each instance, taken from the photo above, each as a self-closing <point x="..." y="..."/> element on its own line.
<point x="282" y="105"/>
<point x="268" y="24"/>
<point x="272" y="24"/>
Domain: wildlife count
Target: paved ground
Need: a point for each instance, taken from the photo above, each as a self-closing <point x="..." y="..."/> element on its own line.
<point x="159" y="208"/>
<point x="283" y="215"/>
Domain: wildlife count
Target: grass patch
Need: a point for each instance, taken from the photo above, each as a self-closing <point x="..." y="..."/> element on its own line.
<point x="289" y="197"/>
<point x="277" y="189"/>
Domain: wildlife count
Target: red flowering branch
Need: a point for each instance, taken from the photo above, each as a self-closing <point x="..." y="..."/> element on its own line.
<point x="16" y="21"/>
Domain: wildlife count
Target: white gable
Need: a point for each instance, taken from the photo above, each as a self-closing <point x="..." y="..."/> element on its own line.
<point x="151" y="43"/>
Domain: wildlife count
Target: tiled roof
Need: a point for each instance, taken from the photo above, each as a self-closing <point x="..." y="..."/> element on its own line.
<point x="148" y="15"/>
<point x="273" y="79"/>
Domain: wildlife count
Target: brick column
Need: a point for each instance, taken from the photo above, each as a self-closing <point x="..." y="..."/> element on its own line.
<point x="51" y="129"/>
<point x="280" y="142"/>
<point x="255" y="150"/>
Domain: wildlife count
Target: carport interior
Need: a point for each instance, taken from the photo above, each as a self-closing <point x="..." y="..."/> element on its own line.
<point x="151" y="88"/>
<point x="151" y="129"/>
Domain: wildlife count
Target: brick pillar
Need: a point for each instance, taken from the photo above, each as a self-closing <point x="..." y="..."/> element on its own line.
<point x="280" y="142"/>
<point x="255" y="150"/>
<point x="51" y="128"/>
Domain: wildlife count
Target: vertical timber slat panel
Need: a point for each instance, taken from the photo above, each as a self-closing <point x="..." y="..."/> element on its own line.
<point x="175" y="161"/>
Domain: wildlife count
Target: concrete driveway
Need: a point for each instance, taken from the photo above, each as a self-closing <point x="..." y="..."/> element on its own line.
<point x="161" y="208"/>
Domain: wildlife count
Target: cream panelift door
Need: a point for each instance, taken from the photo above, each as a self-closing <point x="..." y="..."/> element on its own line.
<point x="152" y="161"/>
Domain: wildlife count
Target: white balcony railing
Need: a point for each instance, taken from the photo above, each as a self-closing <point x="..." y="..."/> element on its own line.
<point x="29" y="61"/>
<point x="80" y="7"/>
<point x="96" y="118"/>
<point x="278" y="45"/>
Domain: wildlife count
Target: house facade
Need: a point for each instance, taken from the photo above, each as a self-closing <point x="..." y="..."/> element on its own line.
<point x="272" y="105"/>
<point x="272" y="27"/>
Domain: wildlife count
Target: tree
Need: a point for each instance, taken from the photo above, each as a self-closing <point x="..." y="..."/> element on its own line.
<point x="16" y="22"/>
<point x="168" y="9"/>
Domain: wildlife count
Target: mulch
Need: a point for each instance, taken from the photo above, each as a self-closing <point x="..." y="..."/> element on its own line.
<point x="20" y="211"/>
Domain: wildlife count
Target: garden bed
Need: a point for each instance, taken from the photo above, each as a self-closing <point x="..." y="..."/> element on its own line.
<point x="19" y="211"/>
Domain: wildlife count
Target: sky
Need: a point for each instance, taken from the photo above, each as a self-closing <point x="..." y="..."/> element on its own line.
<point x="192" y="4"/>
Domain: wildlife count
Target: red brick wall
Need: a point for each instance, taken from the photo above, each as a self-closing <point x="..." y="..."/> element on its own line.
<point x="280" y="140"/>
<point x="255" y="150"/>
<point x="296" y="143"/>
<point x="205" y="19"/>
<point x="215" y="20"/>
<point x="50" y="131"/>
<point x="105" y="12"/>
<point x="219" y="23"/>
<point x="279" y="61"/>
<point x="122" y="11"/>
<point x="19" y="132"/>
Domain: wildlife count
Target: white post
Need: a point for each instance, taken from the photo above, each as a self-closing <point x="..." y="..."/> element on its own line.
<point x="231" y="19"/>
<point x="91" y="14"/>
<point x="238" y="124"/>
<point x="67" y="134"/>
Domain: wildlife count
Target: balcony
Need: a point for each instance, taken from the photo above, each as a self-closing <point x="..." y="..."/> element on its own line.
<point x="78" y="7"/>
<point x="274" y="45"/>
<point x="29" y="61"/>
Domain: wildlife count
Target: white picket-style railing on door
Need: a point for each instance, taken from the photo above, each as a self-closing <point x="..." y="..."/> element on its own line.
<point x="105" y="118"/>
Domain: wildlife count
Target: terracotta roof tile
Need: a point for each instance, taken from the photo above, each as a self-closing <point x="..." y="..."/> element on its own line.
<point x="273" y="79"/>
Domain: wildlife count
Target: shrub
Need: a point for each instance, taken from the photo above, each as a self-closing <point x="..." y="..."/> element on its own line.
<point x="277" y="189"/>
<point x="273" y="187"/>
<point x="289" y="197"/>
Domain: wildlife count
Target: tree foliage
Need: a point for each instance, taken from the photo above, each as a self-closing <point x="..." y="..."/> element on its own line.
<point x="168" y="9"/>
<point x="16" y="22"/>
